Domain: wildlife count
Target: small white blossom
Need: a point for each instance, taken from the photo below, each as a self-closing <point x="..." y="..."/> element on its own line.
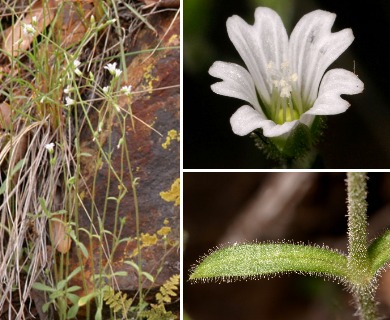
<point x="284" y="81"/>
<point x="77" y="71"/>
<point x="68" y="89"/>
<point x="34" y="20"/>
<point x="117" y="73"/>
<point x="69" y="101"/>
<point x="105" y="89"/>
<point x="120" y="142"/>
<point x="50" y="147"/>
<point x="111" y="67"/>
<point x="28" y="29"/>
<point x="126" y="90"/>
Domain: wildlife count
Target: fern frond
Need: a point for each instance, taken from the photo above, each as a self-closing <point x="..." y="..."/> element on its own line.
<point x="167" y="290"/>
<point x="117" y="301"/>
<point x="157" y="312"/>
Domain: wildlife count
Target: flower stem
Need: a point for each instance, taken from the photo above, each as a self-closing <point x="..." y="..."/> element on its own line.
<point x="358" y="262"/>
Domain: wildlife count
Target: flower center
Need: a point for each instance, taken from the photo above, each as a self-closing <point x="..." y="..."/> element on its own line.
<point x="282" y="83"/>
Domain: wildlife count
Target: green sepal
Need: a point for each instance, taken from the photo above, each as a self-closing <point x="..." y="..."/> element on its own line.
<point x="379" y="252"/>
<point x="259" y="260"/>
<point x="293" y="147"/>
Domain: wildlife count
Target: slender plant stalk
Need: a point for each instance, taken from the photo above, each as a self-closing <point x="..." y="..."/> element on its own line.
<point x="358" y="262"/>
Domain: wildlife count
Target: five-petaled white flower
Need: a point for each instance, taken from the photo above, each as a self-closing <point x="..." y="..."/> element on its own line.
<point x="111" y="67"/>
<point x="126" y="90"/>
<point x="77" y="71"/>
<point x="69" y="101"/>
<point x="28" y="29"/>
<point x="285" y="84"/>
<point x="68" y="89"/>
<point x="50" y="147"/>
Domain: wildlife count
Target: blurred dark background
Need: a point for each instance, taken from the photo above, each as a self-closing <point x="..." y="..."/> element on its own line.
<point x="358" y="138"/>
<point x="302" y="207"/>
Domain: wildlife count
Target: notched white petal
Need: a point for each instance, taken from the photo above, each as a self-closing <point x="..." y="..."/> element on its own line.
<point x="237" y="82"/>
<point x="245" y="120"/>
<point x="335" y="83"/>
<point x="271" y="129"/>
<point x="314" y="47"/>
<point x="258" y="45"/>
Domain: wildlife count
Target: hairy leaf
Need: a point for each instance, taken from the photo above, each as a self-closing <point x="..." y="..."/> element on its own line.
<point x="258" y="260"/>
<point x="379" y="252"/>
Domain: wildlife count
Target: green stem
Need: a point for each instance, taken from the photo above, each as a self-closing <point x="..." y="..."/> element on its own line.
<point x="358" y="262"/>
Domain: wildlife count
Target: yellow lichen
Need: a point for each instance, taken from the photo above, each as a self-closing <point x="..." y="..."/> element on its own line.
<point x="164" y="231"/>
<point x="171" y="136"/>
<point x="174" y="40"/>
<point x="173" y="195"/>
<point x="149" y="78"/>
<point x="148" y="240"/>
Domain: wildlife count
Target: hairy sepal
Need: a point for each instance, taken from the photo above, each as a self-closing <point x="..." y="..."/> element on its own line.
<point x="242" y="261"/>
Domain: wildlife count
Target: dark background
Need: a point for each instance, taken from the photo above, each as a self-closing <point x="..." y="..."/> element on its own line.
<point x="358" y="138"/>
<point x="316" y="214"/>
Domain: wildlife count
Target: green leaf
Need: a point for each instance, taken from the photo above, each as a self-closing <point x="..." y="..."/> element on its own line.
<point x="74" y="298"/>
<point x="148" y="276"/>
<point x="83" y="249"/>
<point x="72" y="313"/>
<point x="133" y="264"/>
<point x="17" y="167"/>
<point x="3" y="186"/>
<point x="61" y="284"/>
<point x="120" y="274"/>
<point x="42" y="287"/>
<point x="73" y="289"/>
<point x="98" y="315"/>
<point x="259" y="260"/>
<point x="73" y="273"/>
<point x="379" y="252"/>
<point x="84" y="300"/>
<point x="46" y="306"/>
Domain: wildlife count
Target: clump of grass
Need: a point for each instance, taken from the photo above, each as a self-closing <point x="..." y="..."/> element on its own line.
<point x="52" y="82"/>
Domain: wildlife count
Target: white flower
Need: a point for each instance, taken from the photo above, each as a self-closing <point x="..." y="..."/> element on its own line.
<point x="69" y="101"/>
<point x="117" y="73"/>
<point x="28" y="29"/>
<point x="105" y="89"/>
<point x="77" y="71"/>
<point x="76" y="63"/>
<point x="34" y="20"/>
<point x="286" y="74"/>
<point x="111" y="67"/>
<point x="68" y="89"/>
<point x="50" y="147"/>
<point x="126" y="90"/>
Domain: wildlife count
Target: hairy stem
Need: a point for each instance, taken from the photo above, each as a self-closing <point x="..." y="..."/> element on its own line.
<point x="358" y="262"/>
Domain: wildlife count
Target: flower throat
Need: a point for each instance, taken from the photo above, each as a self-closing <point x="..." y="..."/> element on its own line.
<point x="283" y="83"/>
